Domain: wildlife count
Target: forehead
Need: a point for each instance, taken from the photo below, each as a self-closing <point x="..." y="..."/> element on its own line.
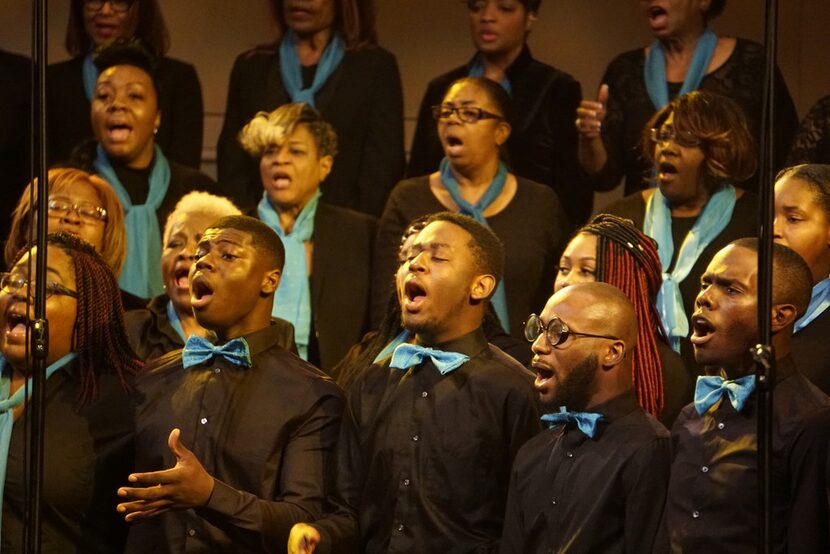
<point x="191" y="221"/>
<point x="214" y="236"/>
<point x="797" y="189"/>
<point x="735" y="263"/>
<point x="125" y="75"/>
<point x="583" y="245"/>
<point x="444" y="234"/>
<point x="466" y="93"/>
<point x="77" y="191"/>
<point x="566" y="305"/>
<point x="58" y="262"/>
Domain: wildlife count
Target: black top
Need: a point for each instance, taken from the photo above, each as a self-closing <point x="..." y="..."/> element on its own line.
<point x="362" y="100"/>
<point x="812" y="142"/>
<point x="743" y="224"/>
<point x="811" y="351"/>
<point x="712" y="504"/>
<point x="15" y="87"/>
<point x="629" y="108"/>
<point x="572" y="493"/>
<point x="151" y="335"/>
<point x="180" y="103"/>
<point x="542" y="144"/>
<point x="423" y="460"/>
<point x="533" y="228"/>
<point x="264" y="433"/>
<point x="88" y="453"/>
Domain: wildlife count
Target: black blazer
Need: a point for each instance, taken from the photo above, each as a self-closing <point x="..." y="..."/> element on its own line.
<point x="180" y="102"/>
<point x="15" y="73"/>
<point x="341" y="274"/>
<point x="362" y="100"/>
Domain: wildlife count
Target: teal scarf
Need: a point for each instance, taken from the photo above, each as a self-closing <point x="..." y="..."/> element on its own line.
<point x="657" y="224"/>
<point x="293" y="298"/>
<point x="819" y="301"/>
<point x="141" y="274"/>
<point x="89" y="71"/>
<point x="174" y="320"/>
<point x="476" y="211"/>
<point x="292" y="73"/>
<point x="7" y="406"/>
<point x="477" y="70"/>
<point x="387" y="351"/>
<point x="655" y="69"/>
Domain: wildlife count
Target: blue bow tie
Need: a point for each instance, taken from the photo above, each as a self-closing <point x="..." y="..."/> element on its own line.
<point x="585" y="421"/>
<point x="198" y="351"/>
<point x="408" y="355"/>
<point x="712" y="388"/>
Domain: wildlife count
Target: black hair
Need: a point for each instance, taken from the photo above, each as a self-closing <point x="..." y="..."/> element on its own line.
<point x="263" y="238"/>
<point x="494" y="91"/>
<point x="150" y="28"/>
<point x="129" y="52"/>
<point x="817" y="177"/>
<point x="716" y="8"/>
<point x="486" y="247"/>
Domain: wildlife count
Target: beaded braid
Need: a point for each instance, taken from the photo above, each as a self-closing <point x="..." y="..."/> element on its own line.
<point x="628" y="259"/>
<point x="100" y="334"/>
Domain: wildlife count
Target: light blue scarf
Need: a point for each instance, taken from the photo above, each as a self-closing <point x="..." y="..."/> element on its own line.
<point x="819" y="302"/>
<point x="7" y="406"/>
<point x="655" y="69"/>
<point x="390" y="348"/>
<point x="141" y="274"/>
<point x="90" y="76"/>
<point x="174" y="320"/>
<point x="710" y="389"/>
<point x="292" y="74"/>
<point x="477" y="70"/>
<point x="408" y="355"/>
<point x="293" y="299"/>
<point x="715" y="217"/>
<point x="476" y="211"/>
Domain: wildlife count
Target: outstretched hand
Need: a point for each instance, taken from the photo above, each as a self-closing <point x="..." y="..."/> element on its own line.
<point x="185" y="485"/>
<point x="303" y="539"/>
<point x="591" y="113"/>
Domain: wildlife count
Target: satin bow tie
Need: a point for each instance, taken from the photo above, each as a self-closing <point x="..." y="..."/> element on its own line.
<point x="710" y="389"/>
<point x="198" y="351"/>
<point x="585" y="421"/>
<point x="408" y="355"/>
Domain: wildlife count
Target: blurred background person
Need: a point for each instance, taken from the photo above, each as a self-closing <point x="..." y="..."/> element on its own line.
<point x="811" y="144"/>
<point x="528" y="217"/>
<point x="324" y="287"/>
<point x="686" y="55"/>
<point x="15" y="88"/>
<point x="611" y="250"/>
<point x="802" y="222"/>
<point x="325" y="55"/>
<point x="542" y="144"/>
<point x="95" y="24"/>
<point x="125" y="115"/>
<point x="699" y="146"/>
<point x="89" y="432"/>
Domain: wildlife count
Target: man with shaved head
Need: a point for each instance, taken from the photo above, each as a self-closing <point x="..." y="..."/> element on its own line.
<point x="596" y="480"/>
<point x="712" y="504"/>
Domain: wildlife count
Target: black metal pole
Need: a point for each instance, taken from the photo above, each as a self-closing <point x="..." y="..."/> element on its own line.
<point x="764" y="353"/>
<point x="39" y="327"/>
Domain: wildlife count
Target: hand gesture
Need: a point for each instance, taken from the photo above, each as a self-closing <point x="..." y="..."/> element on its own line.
<point x="186" y="485"/>
<point x="590" y="114"/>
<point x="303" y="539"/>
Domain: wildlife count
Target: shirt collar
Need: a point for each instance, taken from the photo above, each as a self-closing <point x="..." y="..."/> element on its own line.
<point x="516" y="67"/>
<point x="617" y="407"/>
<point x="262" y="339"/>
<point x="470" y="344"/>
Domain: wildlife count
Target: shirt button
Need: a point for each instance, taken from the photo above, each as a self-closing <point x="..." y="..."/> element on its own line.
<point x="705" y="469"/>
<point x="416" y="438"/>
<point x="400" y="528"/>
<point x="203" y="420"/>
<point x="721" y="425"/>
<point x="424" y="394"/>
<point x="553" y="501"/>
<point x="217" y="371"/>
<point x="191" y="532"/>
<point x="405" y="482"/>
<point x="695" y="514"/>
<point x="569" y="454"/>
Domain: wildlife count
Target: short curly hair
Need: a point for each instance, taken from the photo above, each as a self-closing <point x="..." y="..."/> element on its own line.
<point x="271" y="129"/>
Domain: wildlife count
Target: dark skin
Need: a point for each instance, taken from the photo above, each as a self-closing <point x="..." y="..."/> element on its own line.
<point x="232" y="291"/>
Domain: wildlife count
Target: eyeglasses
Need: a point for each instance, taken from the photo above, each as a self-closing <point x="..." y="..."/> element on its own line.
<point x="14" y="283"/>
<point x="476" y="5"/>
<point x="556" y="331"/>
<point x="466" y="114"/>
<point x="668" y="134"/>
<point x="120" y="6"/>
<point x="85" y="210"/>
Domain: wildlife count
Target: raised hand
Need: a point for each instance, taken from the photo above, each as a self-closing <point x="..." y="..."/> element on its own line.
<point x="185" y="485"/>
<point x="303" y="539"/>
<point x="591" y="113"/>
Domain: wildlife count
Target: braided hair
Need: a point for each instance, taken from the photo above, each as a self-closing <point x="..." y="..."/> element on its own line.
<point x="100" y="335"/>
<point x="628" y="259"/>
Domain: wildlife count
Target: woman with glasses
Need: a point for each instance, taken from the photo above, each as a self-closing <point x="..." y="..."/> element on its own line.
<point x="326" y="55"/>
<point x="95" y="24"/>
<point x="89" y="429"/>
<point x="472" y="124"/>
<point x="699" y="146"/>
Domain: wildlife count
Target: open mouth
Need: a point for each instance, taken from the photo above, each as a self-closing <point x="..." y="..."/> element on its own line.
<point x="702" y="330"/>
<point x="118" y="132"/>
<point x="454" y="145"/>
<point x="16" y="324"/>
<point x="200" y="292"/>
<point x="666" y="170"/>
<point x="280" y="179"/>
<point x="543" y="375"/>
<point x="414" y="295"/>
<point x="182" y="277"/>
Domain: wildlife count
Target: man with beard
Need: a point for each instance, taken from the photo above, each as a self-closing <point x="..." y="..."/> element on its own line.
<point x="260" y="423"/>
<point x="596" y="480"/>
<point x="712" y="503"/>
<point x="430" y="432"/>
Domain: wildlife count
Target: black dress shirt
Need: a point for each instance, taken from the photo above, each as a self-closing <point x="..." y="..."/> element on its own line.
<point x="88" y="453"/>
<point x="543" y="141"/>
<point x="264" y="433"/>
<point x="571" y="493"/>
<point x="423" y="460"/>
<point x="811" y="351"/>
<point x="712" y="504"/>
<point x="15" y="89"/>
